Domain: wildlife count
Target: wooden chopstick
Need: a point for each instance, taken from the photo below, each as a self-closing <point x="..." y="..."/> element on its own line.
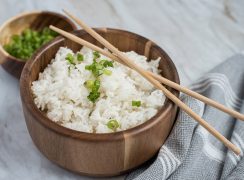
<point x="198" y="96"/>
<point x="146" y="75"/>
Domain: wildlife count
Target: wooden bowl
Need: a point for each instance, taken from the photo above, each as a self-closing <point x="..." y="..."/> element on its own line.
<point x="98" y="154"/>
<point x="36" y="20"/>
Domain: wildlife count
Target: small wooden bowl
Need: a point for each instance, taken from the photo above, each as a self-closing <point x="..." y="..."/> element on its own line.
<point x="98" y="154"/>
<point x="36" y="20"/>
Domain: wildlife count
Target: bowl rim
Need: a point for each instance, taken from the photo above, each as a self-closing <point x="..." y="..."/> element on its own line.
<point x="28" y="13"/>
<point x="41" y="117"/>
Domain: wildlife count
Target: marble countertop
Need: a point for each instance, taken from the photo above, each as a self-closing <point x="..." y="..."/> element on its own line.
<point x="197" y="35"/>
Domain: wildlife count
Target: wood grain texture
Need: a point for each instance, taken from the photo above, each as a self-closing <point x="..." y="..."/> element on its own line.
<point x="97" y="154"/>
<point x="35" y="20"/>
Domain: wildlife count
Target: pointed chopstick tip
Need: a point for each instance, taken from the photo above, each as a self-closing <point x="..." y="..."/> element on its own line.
<point x="51" y="27"/>
<point x="66" y="12"/>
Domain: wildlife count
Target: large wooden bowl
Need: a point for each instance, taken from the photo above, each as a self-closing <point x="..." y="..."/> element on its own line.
<point x="36" y="20"/>
<point x="98" y="154"/>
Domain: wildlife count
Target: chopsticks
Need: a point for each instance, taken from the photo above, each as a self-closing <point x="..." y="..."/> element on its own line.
<point x="149" y="76"/>
<point x="161" y="79"/>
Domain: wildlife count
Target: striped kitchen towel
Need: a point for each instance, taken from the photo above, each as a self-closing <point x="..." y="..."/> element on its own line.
<point x="190" y="152"/>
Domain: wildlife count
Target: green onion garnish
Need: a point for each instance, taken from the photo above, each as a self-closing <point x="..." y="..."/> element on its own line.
<point x="113" y="124"/>
<point x="136" y="103"/>
<point x="97" y="69"/>
<point x="96" y="55"/>
<point x="107" y="72"/>
<point x="94" y="94"/>
<point x="24" y="45"/>
<point x="106" y="63"/>
<point x="89" y="84"/>
<point x="70" y="58"/>
<point x="79" y="57"/>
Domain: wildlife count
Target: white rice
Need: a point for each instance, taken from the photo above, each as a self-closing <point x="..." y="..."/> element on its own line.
<point x="61" y="93"/>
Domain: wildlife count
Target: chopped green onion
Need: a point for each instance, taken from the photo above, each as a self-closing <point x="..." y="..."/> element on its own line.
<point x="113" y="124"/>
<point x="89" y="84"/>
<point x="96" y="55"/>
<point x="107" y="63"/>
<point x="95" y="68"/>
<point x="80" y="57"/>
<point x="107" y="72"/>
<point x="94" y="94"/>
<point x="24" y="45"/>
<point x="99" y="66"/>
<point x="96" y="85"/>
<point x="102" y="61"/>
<point x="88" y="67"/>
<point x="136" y="103"/>
<point x="70" y="58"/>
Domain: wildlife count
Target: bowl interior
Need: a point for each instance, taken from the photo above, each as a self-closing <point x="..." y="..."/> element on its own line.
<point x="34" y="20"/>
<point x="123" y="40"/>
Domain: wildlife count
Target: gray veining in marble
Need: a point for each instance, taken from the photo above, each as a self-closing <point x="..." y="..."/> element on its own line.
<point x="197" y="35"/>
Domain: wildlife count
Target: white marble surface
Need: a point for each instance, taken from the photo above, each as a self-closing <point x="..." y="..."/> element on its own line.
<point x="197" y="35"/>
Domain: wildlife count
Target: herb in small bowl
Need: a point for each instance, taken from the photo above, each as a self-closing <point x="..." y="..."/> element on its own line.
<point x="24" y="45"/>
